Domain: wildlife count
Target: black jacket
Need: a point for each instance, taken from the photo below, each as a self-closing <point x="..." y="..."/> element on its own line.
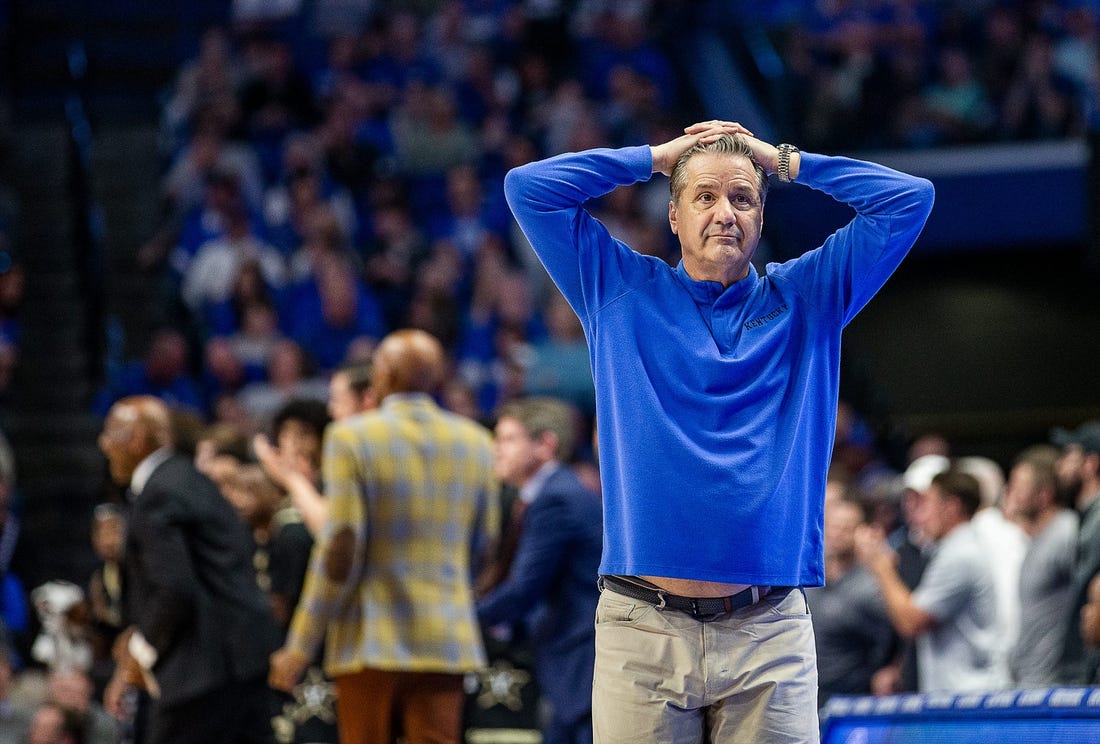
<point x="190" y="587"/>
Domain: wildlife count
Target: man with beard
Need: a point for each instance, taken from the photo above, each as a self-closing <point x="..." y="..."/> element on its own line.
<point x="1079" y="468"/>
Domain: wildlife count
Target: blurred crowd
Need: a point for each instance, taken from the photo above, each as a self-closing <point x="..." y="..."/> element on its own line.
<point x="313" y="202"/>
<point x="896" y="73"/>
<point x="1033" y="529"/>
<point x="334" y="174"/>
<point x="901" y="611"/>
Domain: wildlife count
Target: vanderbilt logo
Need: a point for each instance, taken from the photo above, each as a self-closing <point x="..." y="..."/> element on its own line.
<point x="757" y="322"/>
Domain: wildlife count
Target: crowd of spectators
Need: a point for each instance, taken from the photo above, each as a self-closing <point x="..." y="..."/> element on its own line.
<point x="327" y="185"/>
<point x="1032" y="572"/>
<point x="334" y="174"/>
<point x="895" y="73"/>
<point x="315" y="201"/>
<point x="1037" y="569"/>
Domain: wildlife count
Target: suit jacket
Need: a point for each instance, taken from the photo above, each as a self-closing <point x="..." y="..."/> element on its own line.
<point x="414" y="485"/>
<point x="552" y="585"/>
<point x="191" y="589"/>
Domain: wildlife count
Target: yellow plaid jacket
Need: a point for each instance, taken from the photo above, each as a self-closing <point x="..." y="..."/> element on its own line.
<point x="415" y="484"/>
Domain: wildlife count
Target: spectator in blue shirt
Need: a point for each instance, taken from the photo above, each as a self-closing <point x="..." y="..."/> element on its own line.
<point x="164" y="372"/>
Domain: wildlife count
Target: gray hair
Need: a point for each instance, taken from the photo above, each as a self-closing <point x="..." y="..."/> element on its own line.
<point x="727" y="144"/>
<point x="542" y="415"/>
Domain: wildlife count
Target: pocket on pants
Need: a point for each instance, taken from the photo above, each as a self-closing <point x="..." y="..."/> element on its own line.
<point x="615" y="608"/>
<point x="791" y="603"/>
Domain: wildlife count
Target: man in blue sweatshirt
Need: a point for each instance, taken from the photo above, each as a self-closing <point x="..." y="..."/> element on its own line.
<point x="716" y="400"/>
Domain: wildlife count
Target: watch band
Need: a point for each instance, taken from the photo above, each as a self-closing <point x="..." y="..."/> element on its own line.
<point x="783" y="164"/>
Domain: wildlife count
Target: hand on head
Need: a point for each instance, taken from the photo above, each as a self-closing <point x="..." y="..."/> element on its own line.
<point x="708" y="131"/>
<point x="705" y="132"/>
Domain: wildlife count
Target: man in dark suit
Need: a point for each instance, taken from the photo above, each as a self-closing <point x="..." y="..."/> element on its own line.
<point x="200" y="630"/>
<point x="550" y="581"/>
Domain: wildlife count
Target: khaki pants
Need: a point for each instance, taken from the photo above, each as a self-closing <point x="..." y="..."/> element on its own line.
<point x="427" y="707"/>
<point x="663" y="677"/>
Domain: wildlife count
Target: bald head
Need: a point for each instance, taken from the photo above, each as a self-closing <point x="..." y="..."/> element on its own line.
<point x="409" y="361"/>
<point x="148" y="412"/>
<point x="135" y="427"/>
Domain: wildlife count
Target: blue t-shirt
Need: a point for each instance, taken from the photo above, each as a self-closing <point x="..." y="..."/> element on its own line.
<point x="716" y="406"/>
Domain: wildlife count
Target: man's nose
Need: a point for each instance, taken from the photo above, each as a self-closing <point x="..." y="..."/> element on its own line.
<point x="724" y="212"/>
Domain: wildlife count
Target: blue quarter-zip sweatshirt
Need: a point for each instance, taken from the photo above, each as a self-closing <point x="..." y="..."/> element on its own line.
<point x="716" y="407"/>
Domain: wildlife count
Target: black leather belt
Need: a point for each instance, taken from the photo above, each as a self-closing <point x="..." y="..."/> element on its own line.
<point x="694" y="606"/>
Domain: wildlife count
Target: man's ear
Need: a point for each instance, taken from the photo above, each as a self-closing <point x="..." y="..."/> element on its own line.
<point x="548" y="443"/>
<point x="140" y="440"/>
<point x="672" y="216"/>
<point x="1050" y="495"/>
<point x="381" y="382"/>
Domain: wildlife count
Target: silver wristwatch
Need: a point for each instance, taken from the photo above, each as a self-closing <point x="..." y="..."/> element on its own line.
<point x="783" y="165"/>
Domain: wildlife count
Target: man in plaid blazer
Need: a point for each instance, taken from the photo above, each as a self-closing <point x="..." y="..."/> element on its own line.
<point x="412" y="498"/>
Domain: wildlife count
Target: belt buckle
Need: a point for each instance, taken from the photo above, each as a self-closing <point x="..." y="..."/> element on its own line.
<point x="660" y="599"/>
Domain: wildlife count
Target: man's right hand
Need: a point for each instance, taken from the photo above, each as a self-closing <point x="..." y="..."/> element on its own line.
<point x="114" y="696"/>
<point x="872" y="549"/>
<point x="270" y="459"/>
<point x="128" y="675"/>
<point x="280" y="466"/>
<point x="287" y="667"/>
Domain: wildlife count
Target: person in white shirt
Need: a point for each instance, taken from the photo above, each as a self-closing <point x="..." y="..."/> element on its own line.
<point x="952" y="612"/>
<point x="1003" y="543"/>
